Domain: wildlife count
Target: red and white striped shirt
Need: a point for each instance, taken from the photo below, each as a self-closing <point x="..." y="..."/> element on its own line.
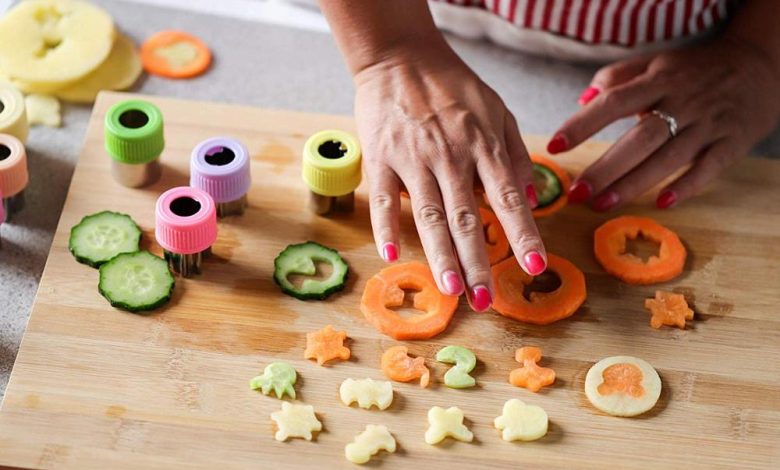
<point x="625" y="23"/>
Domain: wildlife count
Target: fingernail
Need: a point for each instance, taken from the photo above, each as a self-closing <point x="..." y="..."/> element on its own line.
<point x="587" y="95"/>
<point x="452" y="283"/>
<point x="558" y="144"/>
<point x="579" y="192"/>
<point x="666" y="199"/>
<point x="530" y="193"/>
<point x="606" y="201"/>
<point x="481" y="299"/>
<point x="534" y="263"/>
<point x="390" y="252"/>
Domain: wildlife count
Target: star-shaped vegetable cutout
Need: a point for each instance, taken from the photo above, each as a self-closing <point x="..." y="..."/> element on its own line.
<point x="326" y="345"/>
<point x="668" y="308"/>
<point x="521" y="422"/>
<point x="295" y="420"/>
<point x="278" y="377"/>
<point x="367" y="393"/>
<point x="446" y="423"/>
<point x="368" y="443"/>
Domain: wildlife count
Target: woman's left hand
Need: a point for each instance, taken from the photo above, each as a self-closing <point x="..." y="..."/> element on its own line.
<point x="723" y="95"/>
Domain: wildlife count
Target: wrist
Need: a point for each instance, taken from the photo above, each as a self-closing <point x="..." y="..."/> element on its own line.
<point x="407" y="56"/>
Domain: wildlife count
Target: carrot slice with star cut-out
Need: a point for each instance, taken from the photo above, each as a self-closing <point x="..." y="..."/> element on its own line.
<point x="530" y="375"/>
<point x="326" y="345"/>
<point x="540" y="308"/>
<point x="668" y="308"/>
<point x="609" y="246"/>
<point x="399" y="366"/>
<point x="549" y="178"/>
<point x="386" y="289"/>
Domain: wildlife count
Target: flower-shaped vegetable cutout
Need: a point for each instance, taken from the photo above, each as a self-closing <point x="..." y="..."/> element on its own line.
<point x="326" y="345"/>
<point x="668" y="308"/>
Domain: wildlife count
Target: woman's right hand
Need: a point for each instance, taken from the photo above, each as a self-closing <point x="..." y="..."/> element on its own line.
<point x="428" y="123"/>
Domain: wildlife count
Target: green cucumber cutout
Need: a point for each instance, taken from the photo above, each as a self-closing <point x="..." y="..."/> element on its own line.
<point x="101" y="236"/>
<point x="136" y="282"/>
<point x="300" y="259"/>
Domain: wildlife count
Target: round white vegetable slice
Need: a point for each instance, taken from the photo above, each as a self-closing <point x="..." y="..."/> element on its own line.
<point x="47" y="44"/>
<point x="623" y="386"/>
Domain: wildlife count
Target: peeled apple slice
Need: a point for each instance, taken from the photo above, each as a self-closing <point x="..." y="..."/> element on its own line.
<point x="120" y="70"/>
<point x="46" y="44"/>
<point x="623" y="386"/>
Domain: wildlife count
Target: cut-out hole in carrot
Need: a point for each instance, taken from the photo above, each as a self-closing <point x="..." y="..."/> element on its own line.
<point x="495" y="238"/>
<point x="399" y="366"/>
<point x="668" y="308"/>
<point x="386" y="289"/>
<point x="610" y="247"/>
<point x="540" y="307"/>
<point x="553" y="195"/>
<point x="326" y="345"/>
<point x="530" y="375"/>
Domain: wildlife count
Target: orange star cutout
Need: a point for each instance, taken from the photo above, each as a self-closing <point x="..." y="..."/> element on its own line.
<point x="326" y="345"/>
<point x="668" y="308"/>
<point x="530" y="375"/>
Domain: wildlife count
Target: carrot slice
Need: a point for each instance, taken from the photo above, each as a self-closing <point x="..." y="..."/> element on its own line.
<point x="399" y="366"/>
<point x="530" y="375"/>
<point x="386" y="289"/>
<point x="495" y="238"/>
<point x="510" y="282"/>
<point x="609" y="246"/>
<point x="326" y="345"/>
<point x="668" y="308"/>
<point x="175" y="54"/>
<point x="565" y="181"/>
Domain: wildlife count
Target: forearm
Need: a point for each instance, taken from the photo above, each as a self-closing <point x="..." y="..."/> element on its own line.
<point x="755" y="26"/>
<point x="370" y="32"/>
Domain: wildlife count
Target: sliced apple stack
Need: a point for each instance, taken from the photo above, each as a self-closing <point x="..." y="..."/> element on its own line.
<point x="66" y="48"/>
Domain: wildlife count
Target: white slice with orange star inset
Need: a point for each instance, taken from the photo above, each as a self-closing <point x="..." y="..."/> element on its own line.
<point x="623" y="386"/>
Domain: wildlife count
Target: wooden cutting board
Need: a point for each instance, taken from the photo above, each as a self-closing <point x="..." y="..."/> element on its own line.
<point x="93" y="387"/>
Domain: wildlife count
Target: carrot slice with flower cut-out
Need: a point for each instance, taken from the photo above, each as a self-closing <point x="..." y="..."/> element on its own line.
<point x="563" y="179"/>
<point x="530" y="375"/>
<point x="495" y="238"/>
<point x="326" y="345"/>
<point x="399" y="366"/>
<point x="386" y="289"/>
<point x="668" y="308"/>
<point x="540" y="308"/>
<point x="609" y="245"/>
<point x="175" y="54"/>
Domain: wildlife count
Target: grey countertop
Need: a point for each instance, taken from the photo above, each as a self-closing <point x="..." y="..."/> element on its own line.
<point x="260" y="65"/>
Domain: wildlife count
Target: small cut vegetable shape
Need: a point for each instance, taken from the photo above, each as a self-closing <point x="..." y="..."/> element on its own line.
<point x="551" y="183"/>
<point x="367" y="393"/>
<point x="446" y="423"/>
<point x="398" y="366"/>
<point x="386" y="289"/>
<point x="610" y="248"/>
<point x="623" y="386"/>
<point x="278" y="377"/>
<point x="495" y="238"/>
<point x="326" y="345"/>
<point x="464" y="360"/>
<point x="295" y="420"/>
<point x="540" y="308"/>
<point x="368" y="443"/>
<point x="668" y="308"/>
<point x="530" y="375"/>
<point x="521" y="422"/>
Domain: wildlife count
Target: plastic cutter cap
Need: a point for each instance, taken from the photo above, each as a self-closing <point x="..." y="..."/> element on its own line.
<point x="331" y="163"/>
<point x="13" y="113"/>
<point x="13" y="165"/>
<point x="2" y="208"/>
<point x="220" y="166"/>
<point x="134" y="132"/>
<point x="185" y="220"/>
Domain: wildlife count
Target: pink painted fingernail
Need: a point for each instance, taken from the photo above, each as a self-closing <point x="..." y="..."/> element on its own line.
<point x="558" y="144"/>
<point x="452" y="283"/>
<point x="666" y="199"/>
<point x="530" y="193"/>
<point x="481" y="298"/>
<point x="390" y="252"/>
<point x="534" y="263"/>
<point x="588" y="95"/>
<point x="579" y="192"/>
<point x="606" y="201"/>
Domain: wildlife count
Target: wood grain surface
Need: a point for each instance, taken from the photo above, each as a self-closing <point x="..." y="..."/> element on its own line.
<point x="96" y="388"/>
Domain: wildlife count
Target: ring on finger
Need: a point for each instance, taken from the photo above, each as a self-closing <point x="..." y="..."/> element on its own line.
<point x="670" y="121"/>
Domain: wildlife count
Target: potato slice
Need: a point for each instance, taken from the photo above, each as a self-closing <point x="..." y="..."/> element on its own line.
<point x="43" y="109"/>
<point x="623" y="386"/>
<point x="46" y="44"/>
<point x="120" y="70"/>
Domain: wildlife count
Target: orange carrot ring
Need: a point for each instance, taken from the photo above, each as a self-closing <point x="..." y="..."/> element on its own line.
<point x="158" y="64"/>
<point x="385" y="289"/>
<point x="544" y="307"/>
<point x="398" y="366"/>
<point x="565" y="181"/>
<point x="495" y="238"/>
<point x="609" y="245"/>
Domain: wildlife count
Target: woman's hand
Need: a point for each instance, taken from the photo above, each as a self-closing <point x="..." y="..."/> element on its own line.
<point x="429" y="124"/>
<point x="723" y="95"/>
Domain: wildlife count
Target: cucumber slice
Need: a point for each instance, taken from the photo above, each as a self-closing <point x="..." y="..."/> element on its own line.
<point x="300" y="259"/>
<point x="136" y="282"/>
<point x="547" y="185"/>
<point x="99" y="237"/>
